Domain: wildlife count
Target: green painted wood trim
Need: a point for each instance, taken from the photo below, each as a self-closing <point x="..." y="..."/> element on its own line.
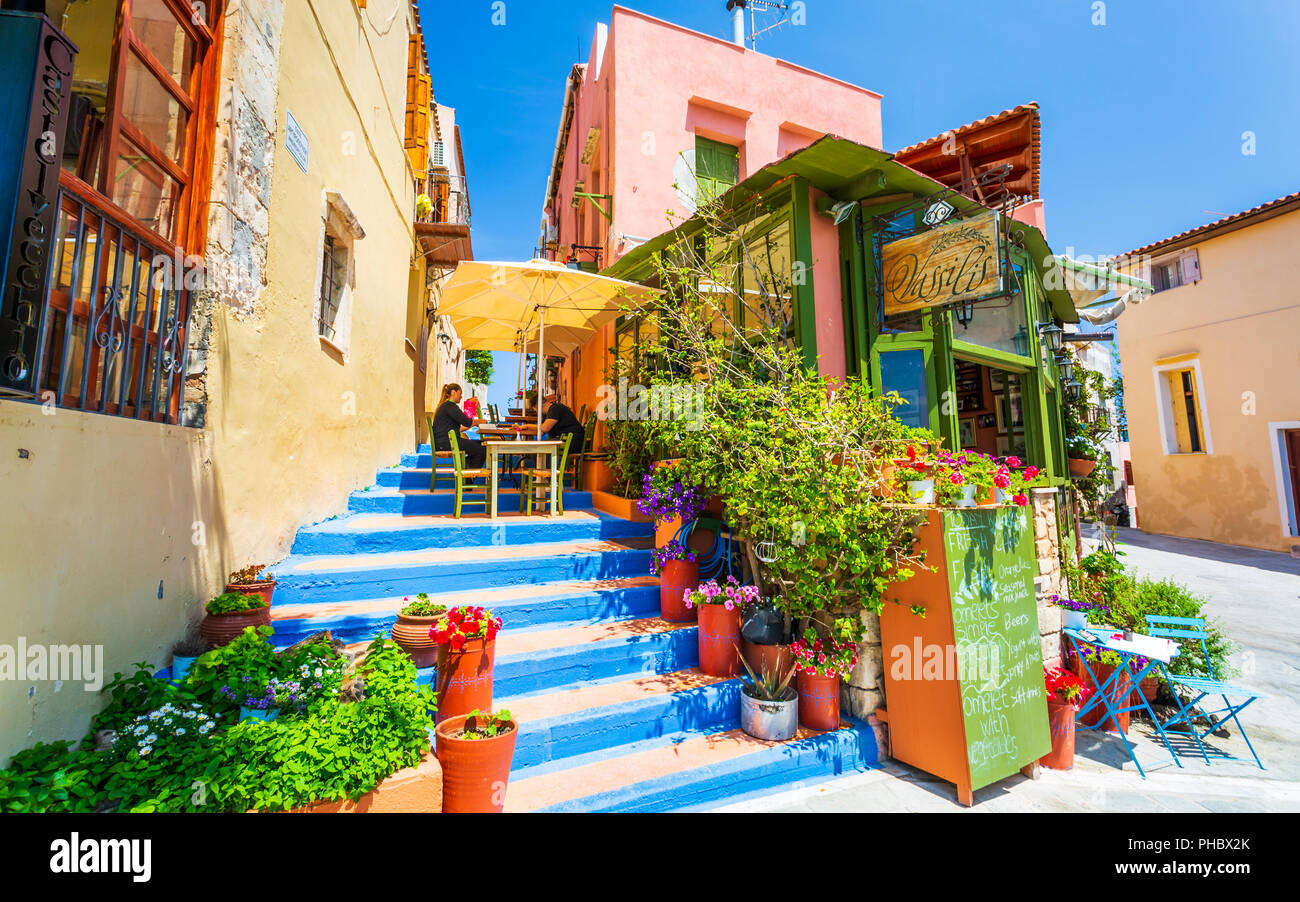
<point x="857" y="351"/>
<point x="1003" y="360"/>
<point x="801" y="236"/>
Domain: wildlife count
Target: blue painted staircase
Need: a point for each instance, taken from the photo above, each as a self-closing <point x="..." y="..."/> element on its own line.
<point x="613" y="713"/>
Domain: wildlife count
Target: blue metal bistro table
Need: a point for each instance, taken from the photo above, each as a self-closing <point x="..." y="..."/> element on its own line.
<point x="1154" y="651"/>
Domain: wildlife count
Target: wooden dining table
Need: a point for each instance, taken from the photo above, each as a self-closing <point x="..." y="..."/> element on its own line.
<point x="520" y="446"/>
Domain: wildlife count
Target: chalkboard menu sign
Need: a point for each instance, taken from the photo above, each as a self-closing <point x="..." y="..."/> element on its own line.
<point x="989" y="556"/>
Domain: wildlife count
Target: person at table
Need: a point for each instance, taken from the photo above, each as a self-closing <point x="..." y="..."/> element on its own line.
<point x="449" y="416"/>
<point x="559" y="421"/>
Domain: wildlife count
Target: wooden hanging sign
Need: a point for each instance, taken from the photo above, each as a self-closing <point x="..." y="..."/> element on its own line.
<point x="954" y="262"/>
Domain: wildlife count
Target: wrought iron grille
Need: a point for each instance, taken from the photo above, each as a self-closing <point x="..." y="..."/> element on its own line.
<point x="332" y="272"/>
<point x="114" y="334"/>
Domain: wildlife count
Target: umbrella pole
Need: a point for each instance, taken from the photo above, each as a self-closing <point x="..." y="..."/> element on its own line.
<point x="541" y="364"/>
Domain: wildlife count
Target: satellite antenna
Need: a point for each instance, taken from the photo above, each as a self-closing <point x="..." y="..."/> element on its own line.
<point x="765" y="7"/>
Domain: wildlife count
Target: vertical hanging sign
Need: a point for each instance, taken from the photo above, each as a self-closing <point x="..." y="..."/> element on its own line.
<point x="34" y="100"/>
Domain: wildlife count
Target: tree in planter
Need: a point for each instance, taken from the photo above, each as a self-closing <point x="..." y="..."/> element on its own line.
<point x="800" y="460"/>
<point x="1087" y="440"/>
<point x="478" y="367"/>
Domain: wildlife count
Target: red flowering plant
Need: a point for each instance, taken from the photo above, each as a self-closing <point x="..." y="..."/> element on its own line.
<point x="458" y="625"/>
<point x="1064" y="686"/>
<point x="835" y="654"/>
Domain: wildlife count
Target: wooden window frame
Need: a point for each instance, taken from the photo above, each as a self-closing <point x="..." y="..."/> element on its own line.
<point x="1165" y="413"/>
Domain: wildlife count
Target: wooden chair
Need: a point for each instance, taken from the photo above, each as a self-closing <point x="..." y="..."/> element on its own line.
<point x="462" y="473"/>
<point x="587" y="452"/>
<point x="537" y="477"/>
<point x="445" y="471"/>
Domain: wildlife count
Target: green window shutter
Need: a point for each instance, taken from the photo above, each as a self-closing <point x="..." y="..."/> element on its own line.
<point x="717" y="168"/>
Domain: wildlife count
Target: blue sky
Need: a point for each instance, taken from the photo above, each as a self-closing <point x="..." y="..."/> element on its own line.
<point x="1142" y="117"/>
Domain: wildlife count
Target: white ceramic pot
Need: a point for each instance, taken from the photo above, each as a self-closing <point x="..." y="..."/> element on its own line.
<point x="968" y="493"/>
<point x="921" y="491"/>
<point x="1074" y="620"/>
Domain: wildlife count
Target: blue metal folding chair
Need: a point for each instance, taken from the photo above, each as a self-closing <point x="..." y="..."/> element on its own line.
<point x="1184" y="628"/>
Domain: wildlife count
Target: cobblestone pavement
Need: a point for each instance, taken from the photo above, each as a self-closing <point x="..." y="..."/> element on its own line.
<point x="1256" y="595"/>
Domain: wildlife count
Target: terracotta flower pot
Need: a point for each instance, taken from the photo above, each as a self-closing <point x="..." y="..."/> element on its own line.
<point x="1118" y="694"/>
<point x="1082" y="467"/>
<point x="819" y="701"/>
<point x="412" y="635"/>
<point x="220" y="629"/>
<point x="719" y="640"/>
<point x="264" y="588"/>
<point x="778" y="658"/>
<point x="1147" y="689"/>
<point x="474" y="771"/>
<point x="674" y="578"/>
<point x="465" y="678"/>
<point x="1060" y="720"/>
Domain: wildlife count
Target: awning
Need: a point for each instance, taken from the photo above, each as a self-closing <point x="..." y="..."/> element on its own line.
<point x="1088" y="282"/>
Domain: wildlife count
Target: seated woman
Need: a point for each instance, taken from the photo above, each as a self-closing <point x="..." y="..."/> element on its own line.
<point x="449" y="416"/>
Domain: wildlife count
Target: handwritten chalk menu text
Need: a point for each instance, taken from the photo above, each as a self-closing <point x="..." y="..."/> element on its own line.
<point x="991" y="570"/>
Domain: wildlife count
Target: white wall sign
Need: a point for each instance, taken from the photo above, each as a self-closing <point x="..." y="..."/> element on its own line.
<point x="295" y="141"/>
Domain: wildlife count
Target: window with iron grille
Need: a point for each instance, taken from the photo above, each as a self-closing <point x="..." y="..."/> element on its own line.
<point x="334" y="269"/>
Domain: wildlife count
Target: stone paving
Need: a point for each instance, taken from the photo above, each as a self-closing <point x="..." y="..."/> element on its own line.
<point x="1255" y="594"/>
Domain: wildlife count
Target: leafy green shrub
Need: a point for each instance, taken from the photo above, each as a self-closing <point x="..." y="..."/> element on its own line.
<point x="234" y="603"/>
<point x="1138" y="597"/>
<point x="168" y="758"/>
<point x="422" y="607"/>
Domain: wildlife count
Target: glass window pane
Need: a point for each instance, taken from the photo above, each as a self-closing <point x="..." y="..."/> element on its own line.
<point x="904" y="372"/>
<point x="768" y="291"/>
<point x="999" y="324"/>
<point x="154" y="110"/>
<point x="144" y="190"/>
<point x="153" y="23"/>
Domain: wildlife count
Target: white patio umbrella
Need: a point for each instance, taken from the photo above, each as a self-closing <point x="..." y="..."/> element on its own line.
<point x="539" y="305"/>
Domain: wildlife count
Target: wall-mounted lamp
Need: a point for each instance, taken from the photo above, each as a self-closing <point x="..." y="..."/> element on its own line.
<point x="1051" y="334"/>
<point x="1065" y="363"/>
<point x="843" y="210"/>
<point x="444" y="337"/>
<point x="1021" y="341"/>
<point x="965" y="312"/>
<point x="1073" y="389"/>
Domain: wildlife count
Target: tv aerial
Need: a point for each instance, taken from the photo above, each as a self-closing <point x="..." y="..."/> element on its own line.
<point x="767" y="8"/>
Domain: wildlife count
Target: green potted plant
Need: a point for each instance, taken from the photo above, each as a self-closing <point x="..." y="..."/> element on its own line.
<point x="769" y="705"/>
<point x="228" y="614"/>
<point x="251" y="581"/>
<point x="411" y="632"/>
<point x="476" y="751"/>
<point x="467" y="639"/>
<point x="185" y="653"/>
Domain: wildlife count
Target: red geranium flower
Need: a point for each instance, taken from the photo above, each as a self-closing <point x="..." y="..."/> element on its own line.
<point x="457" y="642"/>
<point x="454" y="615"/>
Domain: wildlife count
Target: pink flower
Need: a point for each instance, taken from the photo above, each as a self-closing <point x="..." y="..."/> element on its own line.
<point x="1031" y="472"/>
<point x="728" y="605"/>
<point x="1013" y="461"/>
<point x="957" y="478"/>
<point x="821" y="658"/>
<point x="689" y="604"/>
<point x="1021" y="499"/>
<point x="1001" y="479"/>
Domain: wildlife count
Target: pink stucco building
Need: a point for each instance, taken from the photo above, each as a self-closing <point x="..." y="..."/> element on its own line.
<point x="633" y="113"/>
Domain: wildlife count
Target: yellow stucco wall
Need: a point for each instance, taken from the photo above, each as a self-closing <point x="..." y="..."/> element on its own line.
<point x="104" y="514"/>
<point x="1242" y="321"/>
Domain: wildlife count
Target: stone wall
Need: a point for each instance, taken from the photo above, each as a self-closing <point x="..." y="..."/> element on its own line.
<point x="1047" y="547"/>
<point x="234" y="263"/>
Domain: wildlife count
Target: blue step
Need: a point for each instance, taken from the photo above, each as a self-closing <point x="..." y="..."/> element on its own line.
<point x="850" y="750"/>
<point x="715" y="706"/>
<point x="406" y="478"/>
<point x="344" y="535"/>
<point x="562" y="608"/>
<point x="381" y="500"/>
<point x="305" y="578"/>
<point x="556" y="668"/>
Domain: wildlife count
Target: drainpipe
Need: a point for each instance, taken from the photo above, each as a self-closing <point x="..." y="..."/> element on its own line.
<point x="737" y="9"/>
